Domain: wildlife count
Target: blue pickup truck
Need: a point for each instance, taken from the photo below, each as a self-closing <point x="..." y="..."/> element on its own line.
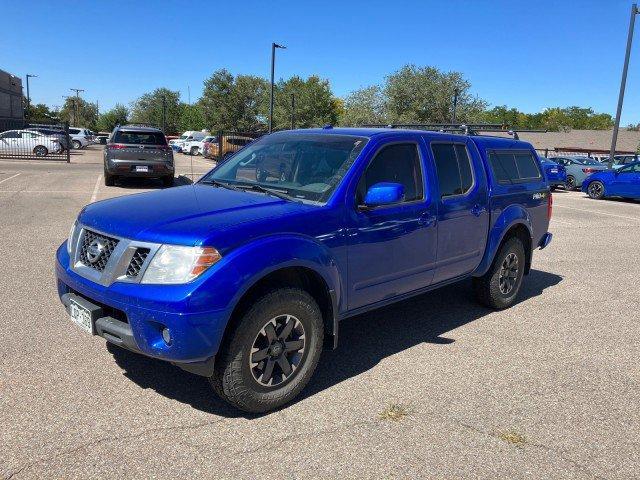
<point x="244" y="276"/>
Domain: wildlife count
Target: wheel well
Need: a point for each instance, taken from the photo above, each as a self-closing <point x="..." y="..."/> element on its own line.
<point x="521" y="232"/>
<point x="300" y="277"/>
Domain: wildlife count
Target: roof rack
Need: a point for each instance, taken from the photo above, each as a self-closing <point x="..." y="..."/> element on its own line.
<point x="463" y="128"/>
<point x="131" y="124"/>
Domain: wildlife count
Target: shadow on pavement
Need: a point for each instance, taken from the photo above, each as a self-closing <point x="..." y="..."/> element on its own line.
<point x="156" y="183"/>
<point x="365" y="340"/>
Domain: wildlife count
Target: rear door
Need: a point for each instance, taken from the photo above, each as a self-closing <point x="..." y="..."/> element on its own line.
<point x="463" y="216"/>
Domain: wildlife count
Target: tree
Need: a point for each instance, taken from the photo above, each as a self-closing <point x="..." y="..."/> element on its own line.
<point x="192" y="117"/>
<point x="234" y="103"/>
<point x="425" y="95"/>
<point x="148" y="109"/>
<point x="79" y="113"/>
<point x="39" y="112"/>
<point x="364" y="106"/>
<point x="315" y="104"/>
<point x="116" y="116"/>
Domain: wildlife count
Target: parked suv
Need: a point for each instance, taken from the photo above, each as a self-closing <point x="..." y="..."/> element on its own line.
<point x="244" y="278"/>
<point x="80" y="137"/>
<point x="136" y="151"/>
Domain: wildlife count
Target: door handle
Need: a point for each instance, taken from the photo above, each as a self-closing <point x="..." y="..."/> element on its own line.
<point x="477" y="210"/>
<point x="426" y="219"/>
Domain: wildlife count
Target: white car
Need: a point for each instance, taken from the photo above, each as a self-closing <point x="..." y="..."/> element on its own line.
<point x="196" y="147"/>
<point x="80" y="137"/>
<point x="189" y="136"/>
<point x="25" y="142"/>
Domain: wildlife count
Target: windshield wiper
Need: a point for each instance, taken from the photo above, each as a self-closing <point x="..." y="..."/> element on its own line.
<point x="259" y="188"/>
<point x="220" y="184"/>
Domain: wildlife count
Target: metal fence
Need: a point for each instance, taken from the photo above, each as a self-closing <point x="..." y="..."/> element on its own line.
<point x="22" y="139"/>
<point x="220" y="146"/>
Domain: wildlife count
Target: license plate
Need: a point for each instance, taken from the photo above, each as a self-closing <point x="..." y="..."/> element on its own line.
<point x="554" y="170"/>
<point x="81" y="316"/>
<point x="141" y="168"/>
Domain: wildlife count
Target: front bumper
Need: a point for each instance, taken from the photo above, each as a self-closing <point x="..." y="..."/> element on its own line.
<point x="545" y="240"/>
<point x="128" y="315"/>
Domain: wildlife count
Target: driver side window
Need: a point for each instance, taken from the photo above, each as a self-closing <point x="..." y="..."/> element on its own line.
<point x="396" y="163"/>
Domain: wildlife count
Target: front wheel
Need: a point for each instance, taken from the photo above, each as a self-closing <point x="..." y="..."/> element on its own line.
<point x="499" y="287"/>
<point x="570" y="183"/>
<point x="596" y="190"/>
<point x="271" y="353"/>
<point x="193" y="151"/>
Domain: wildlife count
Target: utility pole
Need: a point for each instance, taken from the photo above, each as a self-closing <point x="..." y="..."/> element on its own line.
<point x="76" y="104"/>
<point x="273" y="67"/>
<point x="28" y="95"/>
<point x="623" y="83"/>
<point x="456" y="92"/>
<point x="293" y="111"/>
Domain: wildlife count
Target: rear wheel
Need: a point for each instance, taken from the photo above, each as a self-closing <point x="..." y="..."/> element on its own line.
<point x="41" y="151"/>
<point x="76" y="144"/>
<point x="571" y="183"/>
<point x="272" y="352"/>
<point x="109" y="180"/>
<point x="596" y="190"/>
<point x="167" y="181"/>
<point x="499" y="287"/>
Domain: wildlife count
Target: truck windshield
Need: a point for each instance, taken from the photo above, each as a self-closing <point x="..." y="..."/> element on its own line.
<point x="304" y="166"/>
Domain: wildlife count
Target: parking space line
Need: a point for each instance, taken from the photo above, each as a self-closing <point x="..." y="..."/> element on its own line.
<point x="597" y="212"/>
<point x="95" y="189"/>
<point x="9" y="178"/>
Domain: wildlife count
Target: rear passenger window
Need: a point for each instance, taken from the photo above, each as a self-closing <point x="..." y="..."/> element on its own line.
<point x="453" y="167"/>
<point x="514" y="167"/>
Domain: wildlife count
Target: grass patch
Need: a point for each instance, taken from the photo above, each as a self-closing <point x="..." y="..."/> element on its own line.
<point x="394" y="412"/>
<point x="514" y="438"/>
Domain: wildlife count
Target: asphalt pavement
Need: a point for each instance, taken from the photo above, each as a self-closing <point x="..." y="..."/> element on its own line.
<point x="433" y="387"/>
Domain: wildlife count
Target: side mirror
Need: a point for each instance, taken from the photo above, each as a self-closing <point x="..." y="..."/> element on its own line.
<point x="384" y="193"/>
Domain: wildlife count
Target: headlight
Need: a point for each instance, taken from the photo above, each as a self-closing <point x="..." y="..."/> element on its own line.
<point x="70" y="238"/>
<point x="176" y="264"/>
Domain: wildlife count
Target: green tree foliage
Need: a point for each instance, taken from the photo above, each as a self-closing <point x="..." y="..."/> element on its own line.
<point x="364" y="106"/>
<point x="414" y="95"/>
<point x="40" y="112"/>
<point x="118" y="115"/>
<point x="79" y="113"/>
<point x="315" y="105"/>
<point x="148" y="109"/>
<point x="234" y="103"/>
<point x="552" y="119"/>
<point x="192" y="117"/>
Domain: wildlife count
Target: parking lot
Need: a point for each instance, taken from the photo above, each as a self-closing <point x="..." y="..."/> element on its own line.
<point x="547" y="389"/>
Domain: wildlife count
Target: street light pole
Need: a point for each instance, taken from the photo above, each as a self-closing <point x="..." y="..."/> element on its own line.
<point x="76" y="103"/>
<point x="456" y="92"/>
<point x="623" y="83"/>
<point x="293" y="111"/>
<point x="28" y="94"/>
<point x="273" y="66"/>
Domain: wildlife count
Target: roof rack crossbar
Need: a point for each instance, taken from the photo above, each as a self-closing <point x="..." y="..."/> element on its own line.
<point x="464" y="128"/>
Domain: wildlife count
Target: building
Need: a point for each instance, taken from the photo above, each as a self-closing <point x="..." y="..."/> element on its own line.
<point x="11" y="104"/>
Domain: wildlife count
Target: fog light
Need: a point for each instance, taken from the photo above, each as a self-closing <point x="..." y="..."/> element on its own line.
<point x="166" y="336"/>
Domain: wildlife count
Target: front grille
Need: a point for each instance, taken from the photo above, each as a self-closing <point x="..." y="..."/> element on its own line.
<point x="133" y="270"/>
<point x="98" y="255"/>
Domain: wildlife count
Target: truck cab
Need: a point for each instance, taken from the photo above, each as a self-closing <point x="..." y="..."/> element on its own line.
<point x="246" y="275"/>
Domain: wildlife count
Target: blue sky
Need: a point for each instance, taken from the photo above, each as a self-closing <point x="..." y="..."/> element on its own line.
<point x="527" y="54"/>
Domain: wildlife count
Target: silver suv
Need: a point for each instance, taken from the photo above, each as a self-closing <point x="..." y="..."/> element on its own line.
<point x="137" y="151"/>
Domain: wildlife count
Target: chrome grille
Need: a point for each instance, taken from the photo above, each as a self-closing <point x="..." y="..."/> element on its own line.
<point x="133" y="270"/>
<point x="88" y="257"/>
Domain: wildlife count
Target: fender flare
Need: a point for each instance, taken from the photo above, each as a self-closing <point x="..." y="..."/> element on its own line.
<point x="511" y="216"/>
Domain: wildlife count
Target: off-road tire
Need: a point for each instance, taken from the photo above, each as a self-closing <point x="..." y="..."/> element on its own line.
<point x="487" y="288"/>
<point x="233" y="380"/>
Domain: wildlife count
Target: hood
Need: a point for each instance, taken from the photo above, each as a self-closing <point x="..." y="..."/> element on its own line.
<point x="188" y="215"/>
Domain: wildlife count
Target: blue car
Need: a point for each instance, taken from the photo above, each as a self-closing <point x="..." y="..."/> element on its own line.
<point x="556" y="174"/>
<point x="623" y="182"/>
<point x="244" y="276"/>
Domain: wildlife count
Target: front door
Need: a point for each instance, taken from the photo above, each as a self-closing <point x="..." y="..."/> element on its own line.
<point x="392" y="248"/>
<point x="626" y="182"/>
<point x="463" y="217"/>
